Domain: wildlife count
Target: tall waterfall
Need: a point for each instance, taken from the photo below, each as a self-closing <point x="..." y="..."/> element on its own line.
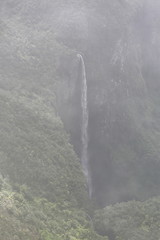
<point x="84" y="127"/>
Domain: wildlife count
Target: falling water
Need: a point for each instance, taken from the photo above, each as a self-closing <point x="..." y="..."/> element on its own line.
<point x="84" y="128"/>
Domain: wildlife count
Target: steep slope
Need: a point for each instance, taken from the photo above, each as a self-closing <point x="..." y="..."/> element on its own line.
<point x="120" y="46"/>
<point x="123" y="82"/>
<point x="43" y="193"/>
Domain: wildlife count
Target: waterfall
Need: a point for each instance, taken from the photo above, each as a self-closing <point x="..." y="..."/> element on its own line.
<point x="84" y="127"/>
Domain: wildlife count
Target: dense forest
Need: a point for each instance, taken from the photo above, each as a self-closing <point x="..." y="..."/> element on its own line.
<point x="47" y="49"/>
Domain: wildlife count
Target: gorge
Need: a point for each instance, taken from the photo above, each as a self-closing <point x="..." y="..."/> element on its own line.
<point x="80" y="120"/>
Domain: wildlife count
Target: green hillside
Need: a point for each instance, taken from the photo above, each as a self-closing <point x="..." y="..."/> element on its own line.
<point x="131" y="220"/>
<point x="43" y="190"/>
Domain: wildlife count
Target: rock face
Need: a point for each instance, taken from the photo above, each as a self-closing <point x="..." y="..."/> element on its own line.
<point x="121" y="56"/>
<point x="42" y="188"/>
<point x="119" y="42"/>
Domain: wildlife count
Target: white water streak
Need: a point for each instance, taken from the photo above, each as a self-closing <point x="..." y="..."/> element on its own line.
<point x="84" y="128"/>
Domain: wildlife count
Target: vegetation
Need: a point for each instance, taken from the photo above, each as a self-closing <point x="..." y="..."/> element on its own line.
<point x="24" y="218"/>
<point x="131" y="220"/>
<point x="43" y="192"/>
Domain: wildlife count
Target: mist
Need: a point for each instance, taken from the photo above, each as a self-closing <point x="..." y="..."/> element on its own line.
<point x="80" y="119"/>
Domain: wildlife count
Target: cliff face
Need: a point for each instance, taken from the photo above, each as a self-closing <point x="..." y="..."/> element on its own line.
<point x="120" y="45"/>
<point x="43" y="191"/>
<point x="123" y="128"/>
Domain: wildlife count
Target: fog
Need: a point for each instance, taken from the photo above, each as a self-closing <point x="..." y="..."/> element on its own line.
<point x="79" y="97"/>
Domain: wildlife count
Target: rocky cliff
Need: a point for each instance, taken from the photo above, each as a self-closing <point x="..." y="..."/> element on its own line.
<point x="120" y="45"/>
<point x="40" y="85"/>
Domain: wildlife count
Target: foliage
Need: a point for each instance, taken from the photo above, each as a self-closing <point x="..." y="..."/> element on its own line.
<point x="131" y="220"/>
<point x="43" y="193"/>
<point x="40" y="219"/>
